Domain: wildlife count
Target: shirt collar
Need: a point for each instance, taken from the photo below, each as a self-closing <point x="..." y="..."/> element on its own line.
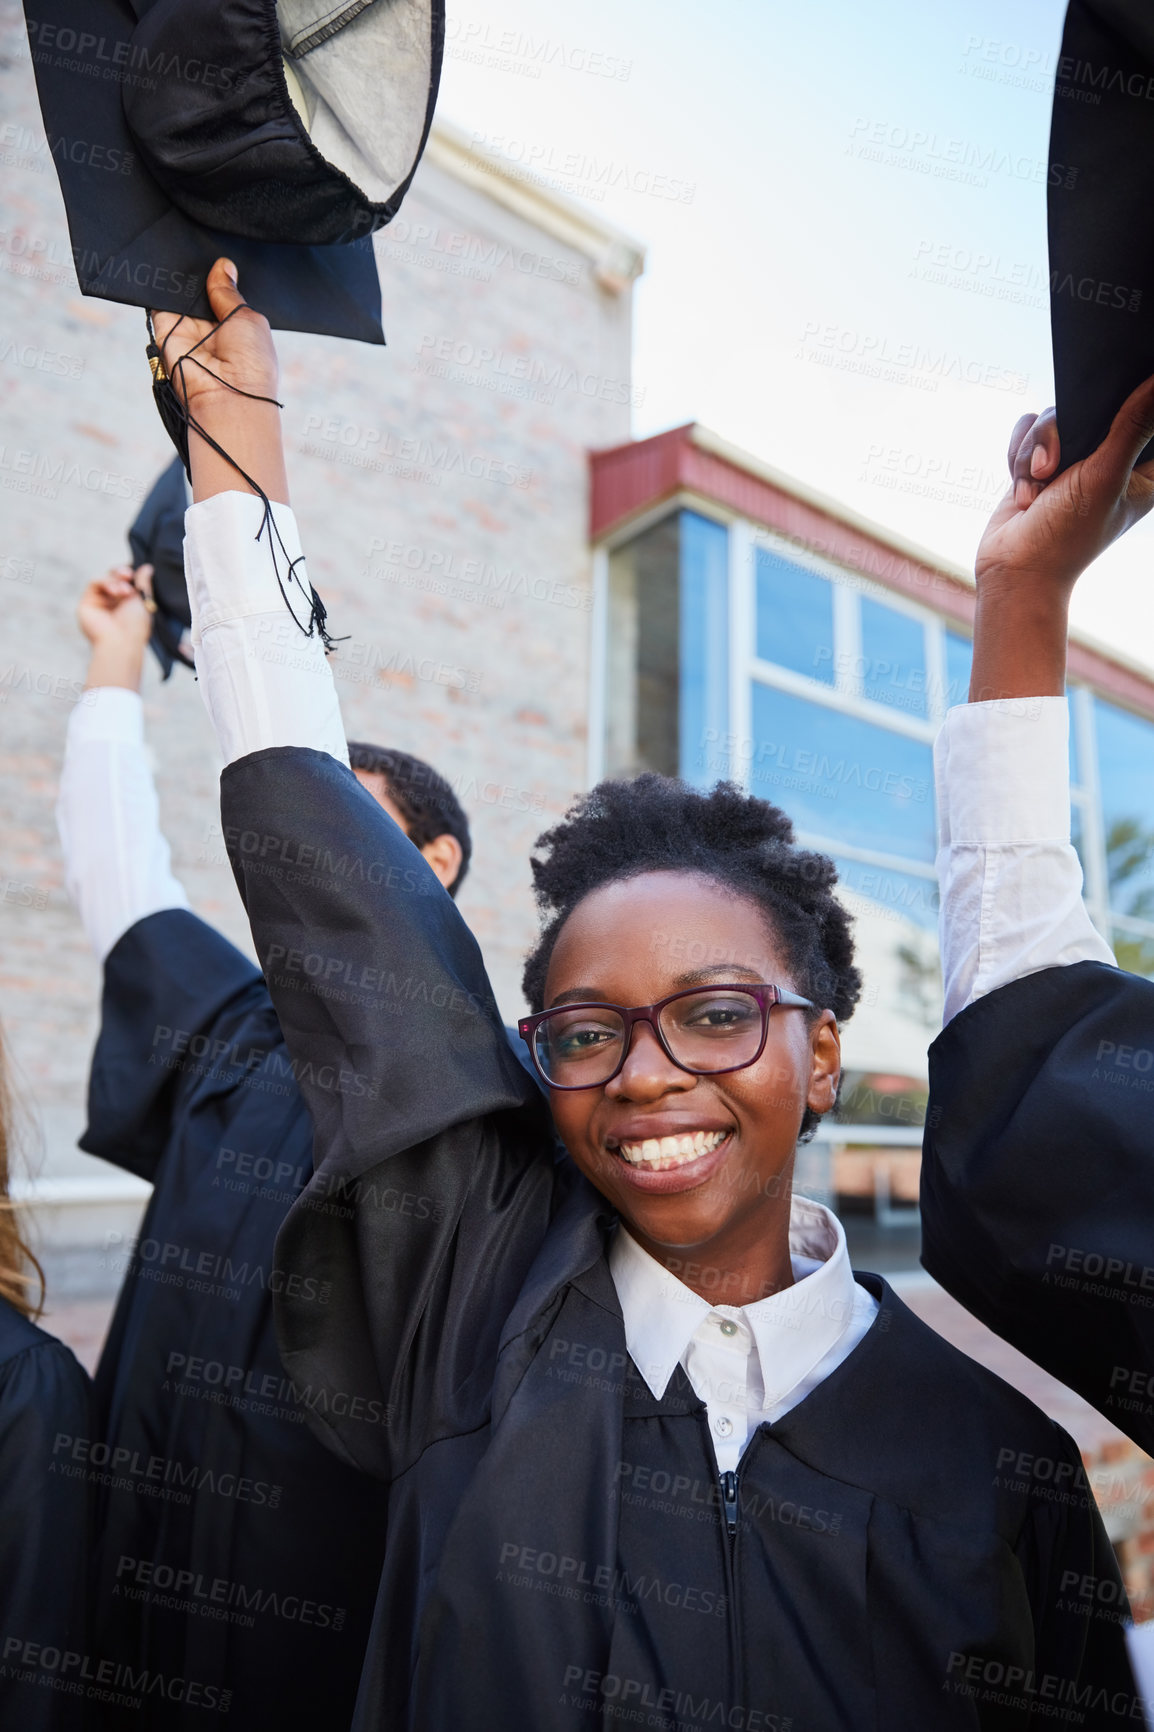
<point x="793" y="1330"/>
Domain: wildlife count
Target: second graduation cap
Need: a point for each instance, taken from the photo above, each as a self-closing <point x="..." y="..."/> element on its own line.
<point x="1100" y="229"/>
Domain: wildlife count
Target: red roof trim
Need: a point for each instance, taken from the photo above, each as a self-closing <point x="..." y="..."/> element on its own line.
<point x="633" y="478"/>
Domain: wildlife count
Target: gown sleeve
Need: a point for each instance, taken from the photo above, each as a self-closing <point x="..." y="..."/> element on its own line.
<point x="1038" y="1178"/>
<point x="177" y="1000"/>
<point x="1076" y="1592"/>
<point x="45" y="1404"/>
<point x="436" y="1172"/>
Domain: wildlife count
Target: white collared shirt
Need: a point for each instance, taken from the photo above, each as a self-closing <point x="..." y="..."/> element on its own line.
<point x="750" y="1363"/>
<point x="1011" y="884"/>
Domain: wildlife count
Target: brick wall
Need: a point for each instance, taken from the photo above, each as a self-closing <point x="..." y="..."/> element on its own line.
<point x="441" y="486"/>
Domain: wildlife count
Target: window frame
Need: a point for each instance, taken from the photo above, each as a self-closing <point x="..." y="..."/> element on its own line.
<point x="599" y="611"/>
<point x="746" y="668"/>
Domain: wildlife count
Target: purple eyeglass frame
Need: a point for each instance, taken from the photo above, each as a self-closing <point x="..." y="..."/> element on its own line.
<point x="766" y="996"/>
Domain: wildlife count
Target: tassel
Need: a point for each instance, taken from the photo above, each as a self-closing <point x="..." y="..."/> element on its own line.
<point x="177" y="421"/>
<point x="169" y="406"/>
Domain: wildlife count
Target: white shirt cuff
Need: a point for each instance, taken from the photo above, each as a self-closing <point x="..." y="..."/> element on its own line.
<point x="1011" y="884"/>
<point x="1003" y="771"/>
<point x="230" y="572"/>
<point x="265" y="681"/>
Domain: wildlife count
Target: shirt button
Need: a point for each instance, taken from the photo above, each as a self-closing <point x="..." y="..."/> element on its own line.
<point x="723" y="1426"/>
<point x="728" y="1326"/>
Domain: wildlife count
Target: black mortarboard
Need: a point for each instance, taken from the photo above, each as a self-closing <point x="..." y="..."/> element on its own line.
<point x="1101" y="236"/>
<point x="280" y="135"/>
<point x="157" y="539"/>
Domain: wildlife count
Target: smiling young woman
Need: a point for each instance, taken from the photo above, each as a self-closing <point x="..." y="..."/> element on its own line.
<point x="652" y="1448"/>
<point x="633" y="865"/>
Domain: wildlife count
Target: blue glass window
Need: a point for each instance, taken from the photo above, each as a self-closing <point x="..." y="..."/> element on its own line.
<point x="894" y="657"/>
<point x="1126" y="778"/>
<point x="959" y="660"/>
<point x="842" y="778"/>
<point x="794" y="618"/>
<point x="902" y="894"/>
<point x="703" y="707"/>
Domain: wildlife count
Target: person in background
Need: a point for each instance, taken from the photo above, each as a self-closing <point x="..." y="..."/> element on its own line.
<point x="235" y="1554"/>
<point x="45" y="1397"/>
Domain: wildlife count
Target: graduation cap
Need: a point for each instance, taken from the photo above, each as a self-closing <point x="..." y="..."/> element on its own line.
<point x="280" y="133"/>
<point x="157" y="539"/>
<point x="1101" y="235"/>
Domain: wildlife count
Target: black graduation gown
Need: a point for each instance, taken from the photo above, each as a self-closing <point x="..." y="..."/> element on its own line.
<point x="1038" y="1178"/>
<point x="45" y="1400"/>
<point x="912" y="1547"/>
<point x="236" y="1554"/>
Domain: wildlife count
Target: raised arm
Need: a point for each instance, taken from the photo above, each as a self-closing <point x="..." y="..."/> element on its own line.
<point x="315" y="856"/>
<point x="263" y="681"/>
<point x="170" y="982"/>
<point x="116" y="861"/>
<point x="435" y="1178"/>
<point x="1011" y="884"/>
<point x="1038" y="1161"/>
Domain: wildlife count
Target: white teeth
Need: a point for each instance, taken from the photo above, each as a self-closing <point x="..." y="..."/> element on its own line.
<point x="659" y="1153"/>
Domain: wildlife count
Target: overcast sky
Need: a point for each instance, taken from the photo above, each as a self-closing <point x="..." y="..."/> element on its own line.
<point x="845" y="214"/>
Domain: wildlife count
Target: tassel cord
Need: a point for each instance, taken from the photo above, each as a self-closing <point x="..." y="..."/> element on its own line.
<point x="179" y="420"/>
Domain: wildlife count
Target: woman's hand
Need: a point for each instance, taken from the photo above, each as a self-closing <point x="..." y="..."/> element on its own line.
<point x="240" y="352"/>
<point x="229" y="388"/>
<point x="114" y="616"/>
<point x="1048" y="532"/>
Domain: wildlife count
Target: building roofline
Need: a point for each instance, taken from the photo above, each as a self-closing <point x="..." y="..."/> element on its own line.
<point x="618" y="259"/>
<point x="707" y="440"/>
<point x="691" y="460"/>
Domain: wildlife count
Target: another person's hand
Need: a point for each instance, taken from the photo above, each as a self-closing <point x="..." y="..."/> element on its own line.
<point x="114" y="616"/>
<point x="114" y="608"/>
<point x="1049" y="531"/>
<point x="1040" y="540"/>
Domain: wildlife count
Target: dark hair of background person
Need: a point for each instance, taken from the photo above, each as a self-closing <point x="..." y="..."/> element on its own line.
<point x="423" y="797"/>
<point x="20" y="1273"/>
<point x="659" y="824"/>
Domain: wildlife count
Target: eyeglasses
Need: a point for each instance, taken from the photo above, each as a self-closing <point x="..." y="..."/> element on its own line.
<point x="704" y="1030"/>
